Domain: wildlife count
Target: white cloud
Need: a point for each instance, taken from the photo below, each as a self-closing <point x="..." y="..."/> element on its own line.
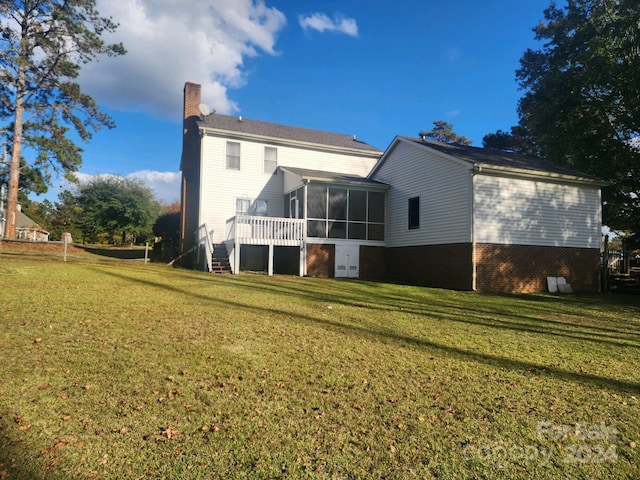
<point x="165" y="185"/>
<point x="321" y="22"/>
<point x="169" y="43"/>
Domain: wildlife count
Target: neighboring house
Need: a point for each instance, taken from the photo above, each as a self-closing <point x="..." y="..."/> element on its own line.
<point x="27" y="229"/>
<point x="291" y="200"/>
<point x="477" y="219"/>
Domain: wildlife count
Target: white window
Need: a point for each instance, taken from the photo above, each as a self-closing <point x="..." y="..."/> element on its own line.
<point x="233" y="156"/>
<point x="242" y="206"/>
<point x="270" y="160"/>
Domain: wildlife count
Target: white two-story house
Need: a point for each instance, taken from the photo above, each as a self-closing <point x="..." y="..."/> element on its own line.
<point x="278" y="198"/>
<point x="282" y="199"/>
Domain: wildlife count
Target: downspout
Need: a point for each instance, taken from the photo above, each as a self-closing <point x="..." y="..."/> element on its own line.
<point x="474" y="256"/>
<point x="305" y="183"/>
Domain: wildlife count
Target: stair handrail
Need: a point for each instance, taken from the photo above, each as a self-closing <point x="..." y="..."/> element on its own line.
<point x="203" y="237"/>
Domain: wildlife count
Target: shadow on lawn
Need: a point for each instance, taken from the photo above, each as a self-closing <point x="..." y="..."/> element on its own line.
<point x="390" y="336"/>
<point x="14" y="462"/>
<point x="122" y="253"/>
<point x="451" y="310"/>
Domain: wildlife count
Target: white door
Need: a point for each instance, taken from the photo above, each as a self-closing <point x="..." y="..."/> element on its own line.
<point x="348" y="261"/>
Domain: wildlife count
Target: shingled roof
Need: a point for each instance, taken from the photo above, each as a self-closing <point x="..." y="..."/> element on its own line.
<point x="285" y="133"/>
<point x="331" y="176"/>
<point x="504" y="160"/>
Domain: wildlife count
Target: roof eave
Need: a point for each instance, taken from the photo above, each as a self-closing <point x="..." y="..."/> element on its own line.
<point x="521" y="172"/>
<point x="287" y="142"/>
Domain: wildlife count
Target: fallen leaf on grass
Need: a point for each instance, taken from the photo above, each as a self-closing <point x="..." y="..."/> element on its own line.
<point x="168" y="433"/>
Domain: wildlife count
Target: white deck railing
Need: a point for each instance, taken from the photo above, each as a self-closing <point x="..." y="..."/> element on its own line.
<point x="265" y="230"/>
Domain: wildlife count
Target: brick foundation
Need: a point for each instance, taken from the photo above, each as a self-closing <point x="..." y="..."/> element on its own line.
<point x="525" y="268"/>
<point x="442" y="266"/>
<point x="372" y="263"/>
<point x="321" y="260"/>
<point x="500" y="268"/>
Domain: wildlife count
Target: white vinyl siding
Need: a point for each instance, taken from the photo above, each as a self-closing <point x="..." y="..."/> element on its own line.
<point x="526" y="212"/>
<point x="444" y="188"/>
<point x="221" y="186"/>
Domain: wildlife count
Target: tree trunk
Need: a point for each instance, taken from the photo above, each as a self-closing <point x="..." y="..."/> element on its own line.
<point x="14" y="165"/>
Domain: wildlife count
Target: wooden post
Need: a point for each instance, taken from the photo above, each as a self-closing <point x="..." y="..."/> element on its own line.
<point x="605" y="265"/>
<point x="146" y="252"/>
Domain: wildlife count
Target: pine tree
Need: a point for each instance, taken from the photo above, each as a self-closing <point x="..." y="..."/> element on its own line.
<point x="43" y="44"/>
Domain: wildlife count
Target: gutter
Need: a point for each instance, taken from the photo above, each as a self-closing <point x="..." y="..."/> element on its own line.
<point x="531" y="174"/>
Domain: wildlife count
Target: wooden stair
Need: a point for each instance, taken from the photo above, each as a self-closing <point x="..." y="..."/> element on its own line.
<point x="220" y="259"/>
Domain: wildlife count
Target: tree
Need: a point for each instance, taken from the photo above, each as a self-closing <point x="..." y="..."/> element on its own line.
<point x="118" y="206"/>
<point x="515" y="141"/>
<point x="65" y="217"/>
<point x="443" y="132"/>
<point x="43" y="44"/>
<point x="581" y="102"/>
<point x="31" y="181"/>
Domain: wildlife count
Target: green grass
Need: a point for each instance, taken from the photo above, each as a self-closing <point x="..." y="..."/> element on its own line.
<point x="130" y="371"/>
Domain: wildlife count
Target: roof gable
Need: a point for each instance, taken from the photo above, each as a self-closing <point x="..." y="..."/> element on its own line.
<point x="25" y="223"/>
<point x="285" y="133"/>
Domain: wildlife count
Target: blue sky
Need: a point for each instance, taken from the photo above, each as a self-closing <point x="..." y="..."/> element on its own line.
<point x="371" y="69"/>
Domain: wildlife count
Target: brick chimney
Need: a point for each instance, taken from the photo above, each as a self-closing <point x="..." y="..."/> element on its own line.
<point x="191" y="114"/>
<point x="191" y="100"/>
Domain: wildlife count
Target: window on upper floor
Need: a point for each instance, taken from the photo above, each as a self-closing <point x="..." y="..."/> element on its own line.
<point x="270" y="160"/>
<point x="233" y="156"/>
<point x="414" y="213"/>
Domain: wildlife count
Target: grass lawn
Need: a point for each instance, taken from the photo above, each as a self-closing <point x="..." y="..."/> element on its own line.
<point x="120" y="370"/>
